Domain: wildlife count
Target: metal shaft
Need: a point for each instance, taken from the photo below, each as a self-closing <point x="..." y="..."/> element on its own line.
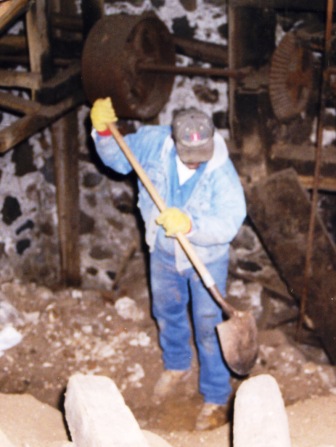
<point x="192" y="71"/>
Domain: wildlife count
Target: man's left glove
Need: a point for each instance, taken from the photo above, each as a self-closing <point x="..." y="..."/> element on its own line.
<point x="174" y="221"/>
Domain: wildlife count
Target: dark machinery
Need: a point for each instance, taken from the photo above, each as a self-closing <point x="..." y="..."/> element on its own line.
<point x="291" y="77"/>
<point x="132" y="60"/>
<point x="111" y="53"/>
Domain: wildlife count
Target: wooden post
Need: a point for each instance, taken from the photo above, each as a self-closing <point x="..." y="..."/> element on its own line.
<point x="37" y="20"/>
<point x="65" y="146"/>
<point x="92" y="10"/>
<point x="250" y="44"/>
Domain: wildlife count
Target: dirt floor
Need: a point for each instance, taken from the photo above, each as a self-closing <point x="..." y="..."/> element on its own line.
<point x="112" y="333"/>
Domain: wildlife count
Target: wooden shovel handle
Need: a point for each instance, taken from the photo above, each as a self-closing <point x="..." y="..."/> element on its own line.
<point x="182" y="239"/>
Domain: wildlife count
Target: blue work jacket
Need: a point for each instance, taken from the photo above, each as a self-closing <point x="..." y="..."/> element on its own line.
<point x="216" y="206"/>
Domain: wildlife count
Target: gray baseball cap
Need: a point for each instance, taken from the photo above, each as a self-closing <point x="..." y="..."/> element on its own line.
<point x="193" y="133"/>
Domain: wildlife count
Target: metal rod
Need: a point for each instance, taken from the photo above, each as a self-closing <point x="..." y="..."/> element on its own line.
<point x="318" y="161"/>
<point x="193" y="71"/>
<point x="204" y="51"/>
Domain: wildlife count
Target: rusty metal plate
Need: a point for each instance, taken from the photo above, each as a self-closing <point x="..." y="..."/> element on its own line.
<point x="114" y="48"/>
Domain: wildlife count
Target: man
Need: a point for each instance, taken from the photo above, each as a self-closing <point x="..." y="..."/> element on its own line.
<point x="189" y="165"/>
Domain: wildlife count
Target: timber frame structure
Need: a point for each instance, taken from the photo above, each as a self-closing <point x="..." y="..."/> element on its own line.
<point x="49" y="92"/>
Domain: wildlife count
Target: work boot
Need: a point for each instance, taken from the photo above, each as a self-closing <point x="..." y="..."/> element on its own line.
<point x="167" y="383"/>
<point x="211" y="416"/>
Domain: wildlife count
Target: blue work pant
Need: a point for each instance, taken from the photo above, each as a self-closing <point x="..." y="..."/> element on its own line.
<point x="172" y="292"/>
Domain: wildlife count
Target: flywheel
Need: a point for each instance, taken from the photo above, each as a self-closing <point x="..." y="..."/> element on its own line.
<point x="291" y="78"/>
<point x="113" y="51"/>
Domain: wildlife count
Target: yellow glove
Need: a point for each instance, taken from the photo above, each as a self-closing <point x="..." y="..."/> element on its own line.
<point x="174" y="221"/>
<point x="102" y="113"/>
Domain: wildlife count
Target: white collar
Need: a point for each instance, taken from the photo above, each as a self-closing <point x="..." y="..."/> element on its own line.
<point x="184" y="173"/>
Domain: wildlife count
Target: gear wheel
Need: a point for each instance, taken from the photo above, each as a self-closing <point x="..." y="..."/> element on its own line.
<point x="291" y="78"/>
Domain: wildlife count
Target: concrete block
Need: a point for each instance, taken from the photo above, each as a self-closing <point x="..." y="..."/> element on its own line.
<point x="97" y="415"/>
<point x="260" y="418"/>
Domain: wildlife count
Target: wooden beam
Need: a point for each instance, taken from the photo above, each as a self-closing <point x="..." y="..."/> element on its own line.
<point x="302" y="159"/>
<point x="325" y="183"/>
<point x="18" y="105"/>
<point x="11" y="10"/>
<point x="62" y="84"/>
<point x="32" y="80"/>
<point x="20" y="79"/>
<point x="286" y="5"/>
<point x="38" y="34"/>
<point x="30" y="124"/>
<point x="68" y="23"/>
<point x="65" y="146"/>
<point x="13" y="44"/>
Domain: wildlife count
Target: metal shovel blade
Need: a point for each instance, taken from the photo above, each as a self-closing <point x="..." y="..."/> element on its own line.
<point x="238" y="338"/>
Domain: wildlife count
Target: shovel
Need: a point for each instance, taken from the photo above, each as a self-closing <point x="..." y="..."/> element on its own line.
<point x="238" y="335"/>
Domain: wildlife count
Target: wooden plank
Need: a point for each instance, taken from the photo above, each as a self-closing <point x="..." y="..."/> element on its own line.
<point x="325" y="183"/>
<point x="62" y="84"/>
<point x="13" y="44"/>
<point x="302" y="158"/>
<point x="20" y="79"/>
<point x="38" y="39"/>
<point x="279" y="208"/>
<point x="52" y="90"/>
<point x="286" y="5"/>
<point x="65" y="146"/>
<point x="11" y="10"/>
<point x="18" y="105"/>
<point x="30" y="124"/>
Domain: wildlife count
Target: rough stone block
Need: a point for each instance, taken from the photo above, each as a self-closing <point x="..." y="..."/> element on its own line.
<point x="97" y="415"/>
<point x="4" y="441"/>
<point x="260" y="418"/>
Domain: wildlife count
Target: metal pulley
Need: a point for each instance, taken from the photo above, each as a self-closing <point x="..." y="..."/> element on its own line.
<point x="111" y="53"/>
<point x="291" y="78"/>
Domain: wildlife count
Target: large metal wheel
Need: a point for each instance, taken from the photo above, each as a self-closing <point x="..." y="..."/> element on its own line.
<point x="114" y="48"/>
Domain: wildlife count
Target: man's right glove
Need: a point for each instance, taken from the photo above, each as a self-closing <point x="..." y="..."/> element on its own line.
<point x="102" y="113"/>
<point x="174" y="221"/>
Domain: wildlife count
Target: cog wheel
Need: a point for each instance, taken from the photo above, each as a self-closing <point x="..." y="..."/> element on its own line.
<point x="291" y="78"/>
